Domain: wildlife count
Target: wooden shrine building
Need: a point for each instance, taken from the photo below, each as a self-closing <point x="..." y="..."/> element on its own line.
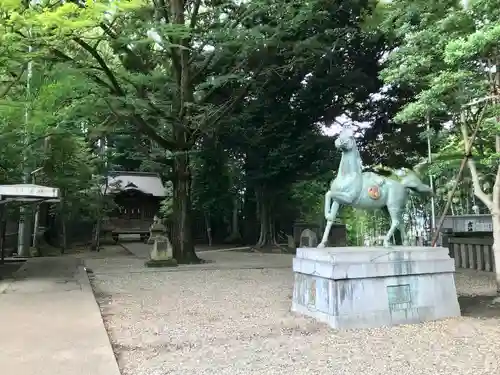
<point x="137" y="197"/>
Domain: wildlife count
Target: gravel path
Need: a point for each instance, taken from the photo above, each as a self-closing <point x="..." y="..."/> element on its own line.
<point x="237" y="321"/>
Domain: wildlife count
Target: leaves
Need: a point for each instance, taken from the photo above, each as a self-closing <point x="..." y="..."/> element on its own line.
<point x="242" y="88"/>
<point x="483" y="43"/>
<point x="450" y="55"/>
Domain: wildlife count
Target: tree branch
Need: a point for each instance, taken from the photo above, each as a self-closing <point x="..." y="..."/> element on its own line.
<point x="480" y="100"/>
<point x="184" y="79"/>
<point x="147" y="129"/>
<point x="210" y="58"/>
<point x="146" y="97"/>
<point x="496" y="185"/>
<point x="61" y="55"/>
<point x="468" y="146"/>
<point x="13" y="82"/>
<point x="478" y="191"/>
<point x="114" y="82"/>
<point x="141" y="94"/>
<point x="213" y="90"/>
<point x="163" y="10"/>
<point x="194" y="16"/>
<point x="142" y="125"/>
<point x="228" y="108"/>
<point x="228" y="24"/>
<point x="52" y="134"/>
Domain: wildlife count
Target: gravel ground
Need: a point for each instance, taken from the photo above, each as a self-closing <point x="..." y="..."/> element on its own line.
<point x="237" y="321"/>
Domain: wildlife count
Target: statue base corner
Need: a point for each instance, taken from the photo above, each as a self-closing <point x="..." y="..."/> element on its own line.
<point x="368" y="287"/>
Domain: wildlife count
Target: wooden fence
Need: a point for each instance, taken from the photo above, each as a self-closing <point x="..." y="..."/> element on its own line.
<point x="472" y="252"/>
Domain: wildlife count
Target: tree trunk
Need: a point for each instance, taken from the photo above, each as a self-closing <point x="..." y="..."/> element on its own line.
<point x="3" y="227"/>
<point x="234" y="226"/>
<point x="62" y="212"/>
<point x="267" y="234"/>
<point x="493" y="204"/>
<point x="182" y="237"/>
<point x="249" y="229"/>
<point x="64" y="236"/>
<point x="495" y="217"/>
<point x="96" y="235"/>
<point x="208" y="227"/>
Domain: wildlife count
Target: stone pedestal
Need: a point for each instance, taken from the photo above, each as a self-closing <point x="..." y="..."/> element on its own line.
<point x="366" y="287"/>
<point x="161" y="254"/>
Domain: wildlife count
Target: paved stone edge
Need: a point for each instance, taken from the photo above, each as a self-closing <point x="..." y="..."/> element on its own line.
<point x="131" y="252"/>
<point x="192" y="268"/>
<point x="4" y="284"/>
<point x="84" y="281"/>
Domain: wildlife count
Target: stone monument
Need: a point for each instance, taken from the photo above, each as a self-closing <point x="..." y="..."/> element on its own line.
<point x="360" y="287"/>
<point x="337" y="236"/>
<point x="156" y="229"/>
<point x="161" y="254"/>
<point x="308" y="238"/>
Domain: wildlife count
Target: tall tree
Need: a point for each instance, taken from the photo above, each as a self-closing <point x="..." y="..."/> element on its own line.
<point x="451" y="54"/>
<point x="153" y="64"/>
<point x="279" y="127"/>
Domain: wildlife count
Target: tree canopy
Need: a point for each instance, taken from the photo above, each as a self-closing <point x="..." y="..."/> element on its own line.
<point x="227" y="100"/>
<point x="450" y="55"/>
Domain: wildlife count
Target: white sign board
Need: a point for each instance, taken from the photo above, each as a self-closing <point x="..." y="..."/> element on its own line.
<point x="28" y="190"/>
<point x="469" y="223"/>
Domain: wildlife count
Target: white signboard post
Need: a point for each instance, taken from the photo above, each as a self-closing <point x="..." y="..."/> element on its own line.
<point x="29" y="191"/>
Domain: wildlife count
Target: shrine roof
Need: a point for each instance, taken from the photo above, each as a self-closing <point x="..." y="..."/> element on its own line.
<point x="145" y="182"/>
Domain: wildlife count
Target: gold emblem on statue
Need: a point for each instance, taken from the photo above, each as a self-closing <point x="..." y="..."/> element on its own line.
<point x="374" y="192"/>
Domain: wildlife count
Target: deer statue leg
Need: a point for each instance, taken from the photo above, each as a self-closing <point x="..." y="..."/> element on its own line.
<point x="328" y="206"/>
<point x="402" y="231"/>
<point x="328" y="203"/>
<point x="388" y="236"/>
<point x="396" y="221"/>
<point x="345" y="197"/>
<point x="330" y="218"/>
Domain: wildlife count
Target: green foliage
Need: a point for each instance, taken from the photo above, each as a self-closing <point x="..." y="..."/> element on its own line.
<point x="277" y="128"/>
<point x="445" y="53"/>
<point x="308" y="198"/>
<point x="450" y="54"/>
<point x="359" y="225"/>
<point x="224" y="99"/>
<point x="212" y="180"/>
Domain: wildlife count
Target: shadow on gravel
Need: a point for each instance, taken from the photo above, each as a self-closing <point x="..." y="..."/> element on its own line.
<point x="8" y="269"/>
<point x="479" y="307"/>
<point x="267" y="250"/>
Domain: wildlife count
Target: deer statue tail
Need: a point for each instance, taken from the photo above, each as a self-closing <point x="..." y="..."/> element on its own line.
<point x="412" y="181"/>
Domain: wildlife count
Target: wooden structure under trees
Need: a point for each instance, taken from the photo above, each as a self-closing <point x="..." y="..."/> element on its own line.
<point x="24" y="194"/>
<point x="137" y="197"/>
